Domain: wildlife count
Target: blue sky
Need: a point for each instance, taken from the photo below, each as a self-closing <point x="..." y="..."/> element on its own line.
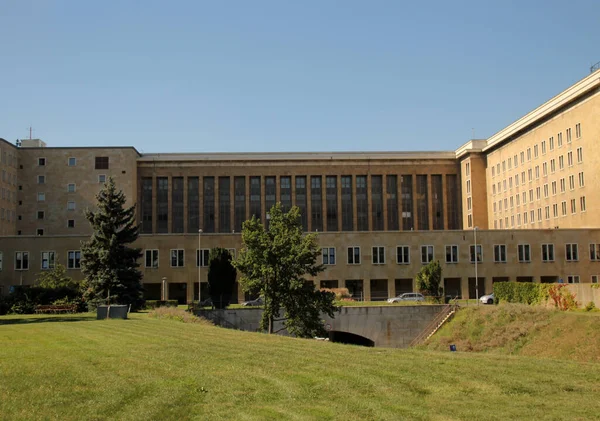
<point x="284" y="76"/>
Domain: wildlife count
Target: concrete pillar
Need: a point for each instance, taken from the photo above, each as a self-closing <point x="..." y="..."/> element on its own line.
<point x="391" y="286"/>
<point x="366" y="289"/>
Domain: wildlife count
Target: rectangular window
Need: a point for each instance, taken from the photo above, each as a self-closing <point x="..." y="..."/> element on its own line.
<point x="570" y="158"/>
<point x="328" y="254"/>
<point x="452" y="254"/>
<point x="101" y="163"/>
<point x="41" y="179"/>
<point x="568" y="135"/>
<point x="468" y="185"/>
<point x="193" y="204"/>
<point x="547" y="252"/>
<point x="581" y="179"/>
<point x="48" y="260"/>
<point x="524" y="253"/>
<point x="74" y="259"/>
<point x="255" y="198"/>
<point x="377" y="202"/>
<point x="594" y="278"/>
<point x="285" y="193"/>
<point x="500" y="252"/>
<point x="71" y="205"/>
<point x="316" y="202"/>
<point x="535" y="151"/>
<point x="202" y="257"/>
<point x="578" y="130"/>
<point x="545" y="169"/>
<point x="407" y="202"/>
<point x="563" y="205"/>
<point x="562" y="185"/>
<point x="177" y="204"/>
<point x="561" y="162"/>
<point x="559" y="140"/>
<point x="331" y="202"/>
<point x="22" y="260"/>
<point x="270" y="194"/>
<point x="239" y="206"/>
<point x="347" y="208"/>
<point x="572" y="182"/>
<point x="554" y="188"/>
<point x="146" y="205"/>
<point x="70" y="223"/>
<point x="393" y="223"/>
<point x="208" y="210"/>
<point x="595" y="252"/>
<point x="530" y="174"/>
<point x="177" y="258"/>
<point x="467" y="169"/>
<point x="426" y="254"/>
<point x="225" y="205"/>
<point x="41" y="162"/>
<point x="582" y="203"/>
<point x="301" y="200"/>
<point x="437" y="201"/>
<point x="528" y="154"/>
<point x="378" y="255"/>
<point x="71" y="188"/>
<point x="354" y="255"/>
<point x="551" y="143"/>
<point x="162" y="204"/>
<point x="40" y="214"/>
<point x="423" y="203"/>
<point x="546" y="191"/>
<point x="555" y="210"/>
<point x="543" y="147"/>
<point x="579" y="154"/>
<point x="101" y="178"/>
<point x="573" y="279"/>
<point x="573" y="206"/>
<point x="151" y="259"/>
<point x="362" y="205"/>
<point x="479" y="253"/>
<point x="522" y="158"/>
<point x="403" y="255"/>
<point x="571" y="252"/>
<point x="72" y="162"/>
<point x="552" y="165"/>
<point x="547" y="212"/>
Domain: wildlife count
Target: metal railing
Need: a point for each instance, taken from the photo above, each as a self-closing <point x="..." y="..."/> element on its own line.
<point x="435" y="324"/>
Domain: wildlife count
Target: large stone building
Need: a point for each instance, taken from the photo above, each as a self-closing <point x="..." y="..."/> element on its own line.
<point x="526" y="194"/>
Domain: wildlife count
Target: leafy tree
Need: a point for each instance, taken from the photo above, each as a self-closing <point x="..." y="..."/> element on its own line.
<point x="429" y="280"/>
<point x="221" y="277"/>
<point x="56" y="278"/>
<point x="109" y="264"/>
<point x="274" y="262"/>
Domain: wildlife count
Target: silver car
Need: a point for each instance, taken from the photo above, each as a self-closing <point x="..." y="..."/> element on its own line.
<point x="258" y="302"/>
<point x="409" y="296"/>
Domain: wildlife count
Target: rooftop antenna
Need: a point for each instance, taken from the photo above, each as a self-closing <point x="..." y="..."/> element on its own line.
<point x="30" y="132"/>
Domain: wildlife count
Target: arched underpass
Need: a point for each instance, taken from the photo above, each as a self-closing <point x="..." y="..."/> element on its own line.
<point x="350" y="339"/>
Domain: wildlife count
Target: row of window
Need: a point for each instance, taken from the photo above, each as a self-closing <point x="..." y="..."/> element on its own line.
<point x="507" y="184"/>
<point x="8" y="159"/>
<point x="504" y="223"/>
<point x="546" y="188"/>
<point x="536" y="149"/>
<point x="378" y="256"/>
<point x="100" y="162"/>
<point x="9" y="178"/>
<point x="41" y="179"/>
<point x="8" y="195"/>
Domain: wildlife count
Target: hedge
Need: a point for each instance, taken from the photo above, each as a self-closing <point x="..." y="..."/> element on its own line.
<point x="152" y="304"/>
<point x="521" y="292"/>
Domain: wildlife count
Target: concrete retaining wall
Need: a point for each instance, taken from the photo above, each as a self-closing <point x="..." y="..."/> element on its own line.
<point x="386" y="326"/>
<point x="584" y="293"/>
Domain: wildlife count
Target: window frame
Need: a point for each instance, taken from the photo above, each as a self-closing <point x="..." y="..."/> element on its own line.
<point x="50" y="265"/>
<point x="473" y="248"/>
<point x="426" y="248"/>
<point x="403" y="247"/>
<point x="74" y="266"/>
<point x="525" y="247"/>
<point x="41" y="158"/>
<point x="376" y="252"/>
<point x="353" y="248"/>
<point x="454" y="253"/>
<point x="205" y="257"/>
<point x="23" y="253"/>
<point x="151" y="258"/>
<point x="326" y="251"/>
<point x="573" y="250"/>
<point x="177" y="257"/>
<point x="549" y="246"/>
<point x="69" y="187"/>
<point x="500" y="247"/>
<point x="69" y="161"/>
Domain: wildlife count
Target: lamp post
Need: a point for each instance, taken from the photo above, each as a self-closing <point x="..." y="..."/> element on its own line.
<point x="199" y="267"/>
<point x="163" y="295"/>
<point x="476" y="258"/>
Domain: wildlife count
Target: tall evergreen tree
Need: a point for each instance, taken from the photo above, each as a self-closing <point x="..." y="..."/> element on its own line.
<point x="108" y="263"/>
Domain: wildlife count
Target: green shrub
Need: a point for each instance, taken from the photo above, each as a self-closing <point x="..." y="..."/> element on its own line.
<point x="590" y="306"/>
<point x="521" y="292"/>
<point x="152" y="304"/>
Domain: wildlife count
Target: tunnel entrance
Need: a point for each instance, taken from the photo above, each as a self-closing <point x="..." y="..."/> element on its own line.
<point x="350" y="339"/>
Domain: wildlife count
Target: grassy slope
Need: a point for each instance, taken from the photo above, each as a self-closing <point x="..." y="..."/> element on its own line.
<point x="523" y="330"/>
<point x="146" y="369"/>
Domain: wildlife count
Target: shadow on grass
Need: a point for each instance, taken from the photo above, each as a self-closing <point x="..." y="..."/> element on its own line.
<point x="45" y="319"/>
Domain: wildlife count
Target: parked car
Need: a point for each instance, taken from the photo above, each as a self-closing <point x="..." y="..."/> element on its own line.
<point x="258" y="302"/>
<point x="488" y="299"/>
<point x="409" y="296"/>
<point x="206" y="303"/>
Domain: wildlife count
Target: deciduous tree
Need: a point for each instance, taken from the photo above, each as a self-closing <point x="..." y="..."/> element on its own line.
<point x="221" y="277"/>
<point x="429" y="280"/>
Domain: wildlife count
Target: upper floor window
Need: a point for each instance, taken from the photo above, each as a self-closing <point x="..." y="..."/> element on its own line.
<point x="569" y="135"/>
<point x="102" y="178"/>
<point x="71" y="187"/>
<point x="559" y="140"/>
<point x="41" y="179"/>
<point x="524" y="253"/>
<point x="452" y="254"/>
<point x="551" y="143"/>
<point x="22" y="260"/>
<point x="403" y="255"/>
<point x="580" y="154"/>
<point x="41" y="162"/>
<point x="535" y="151"/>
<point x="101" y="163"/>
<point x="578" y="130"/>
<point x="467" y="169"/>
<point x="573" y="279"/>
<point x="528" y="154"/>
<point x="543" y="147"/>
<point x="547" y="252"/>
<point x="202" y="257"/>
<point x="72" y="162"/>
<point x="151" y="259"/>
<point x="571" y="252"/>
<point x="41" y="197"/>
<point x="48" y="259"/>
<point x="328" y="255"/>
<point x="378" y="255"/>
<point x="177" y="257"/>
<point x="595" y="252"/>
<point x="476" y="250"/>
<point x="500" y="252"/>
<point x="354" y="255"/>
<point x="426" y="254"/>
<point x="70" y="205"/>
<point x="74" y="259"/>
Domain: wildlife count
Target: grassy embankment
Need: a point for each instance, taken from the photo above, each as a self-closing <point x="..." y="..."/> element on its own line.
<point x="75" y="367"/>
<point x="523" y="330"/>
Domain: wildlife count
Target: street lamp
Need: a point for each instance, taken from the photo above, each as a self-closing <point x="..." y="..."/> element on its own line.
<point x="163" y="295"/>
<point x="476" y="258"/>
<point x="199" y="267"/>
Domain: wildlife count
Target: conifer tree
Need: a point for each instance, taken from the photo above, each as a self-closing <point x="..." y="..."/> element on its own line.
<point x="109" y="264"/>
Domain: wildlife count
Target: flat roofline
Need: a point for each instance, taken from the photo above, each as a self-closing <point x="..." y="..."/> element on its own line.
<point x="568" y="95"/>
<point x="267" y="156"/>
<point x="45" y="148"/>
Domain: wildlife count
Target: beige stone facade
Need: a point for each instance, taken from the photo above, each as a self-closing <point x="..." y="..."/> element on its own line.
<point x="528" y="191"/>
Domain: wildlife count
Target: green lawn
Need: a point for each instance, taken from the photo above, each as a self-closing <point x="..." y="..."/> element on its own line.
<point x="77" y="368"/>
